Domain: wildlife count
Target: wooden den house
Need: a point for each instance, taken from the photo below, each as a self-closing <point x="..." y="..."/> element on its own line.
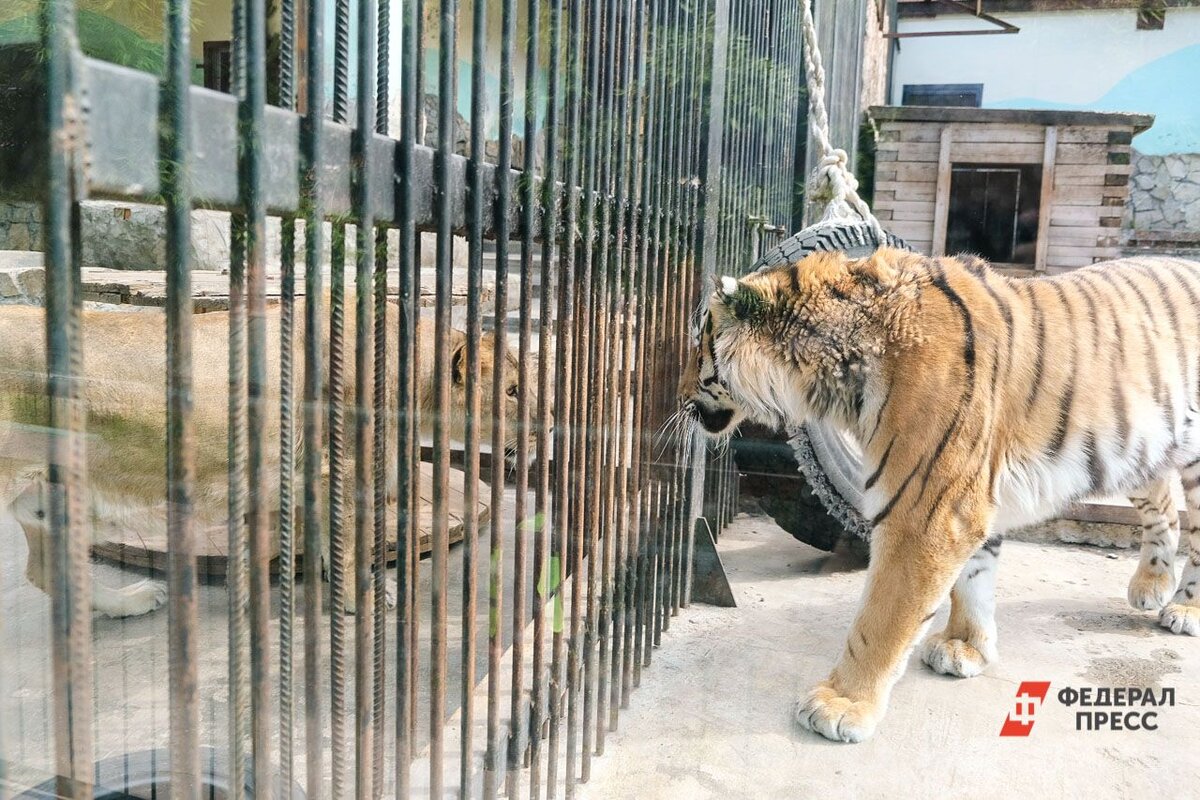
<point x="1032" y="191"/>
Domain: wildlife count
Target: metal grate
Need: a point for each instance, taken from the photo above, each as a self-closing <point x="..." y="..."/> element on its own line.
<point x="657" y="145"/>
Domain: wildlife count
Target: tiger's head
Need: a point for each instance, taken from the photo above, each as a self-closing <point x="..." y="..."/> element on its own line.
<point x="796" y="342"/>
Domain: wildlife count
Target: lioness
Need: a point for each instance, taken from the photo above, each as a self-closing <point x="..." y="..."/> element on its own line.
<point x="124" y="386"/>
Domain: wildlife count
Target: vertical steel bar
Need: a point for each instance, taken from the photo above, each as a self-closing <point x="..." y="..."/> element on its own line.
<point x="564" y="410"/>
<point x="251" y="172"/>
<point x="408" y="440"/>
<point x="493" y="764"/>
<point x="633" y="353"/>
<point x="651" y="141"/>
<point x="337" y="509"/>
<point x="587" y="534"/>
<point x="380" y="415"/>
<point x="670" y="288"/>
<point x="441" y="431"/>
<point x="312" y="154"/>
<point x="523" y="525"/>
<point x="182" y="618"/>
<point x="287" y="426"/>
<point x="620" y="369"/>
<point x="71" y="578"/>
<point x="236" y="567"/>
<point x="364" y="417"/>
<point x="549" y="570"/>
<point x="666" y="251"/>
<point x="475" y="243"/>
<point x="415" y="31"/>
<point x="694" y="454"/>
<point x="606" y="377"/>
<point x="337" y="423"/>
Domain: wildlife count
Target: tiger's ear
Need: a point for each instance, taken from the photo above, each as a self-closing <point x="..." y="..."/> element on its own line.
<point x="744" y="301"/>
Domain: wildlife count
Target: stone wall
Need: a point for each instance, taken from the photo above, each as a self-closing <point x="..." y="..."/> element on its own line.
<point x="1164" y="193"/>
<point x="20" y="226"/>
<point x="132" y="236"/>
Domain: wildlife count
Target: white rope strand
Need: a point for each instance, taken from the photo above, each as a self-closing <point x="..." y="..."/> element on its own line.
<point x="832" y="184"/>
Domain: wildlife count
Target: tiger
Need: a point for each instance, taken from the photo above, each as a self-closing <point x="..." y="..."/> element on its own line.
<point x="125" y="372"/>
<point x="982" y="402"/>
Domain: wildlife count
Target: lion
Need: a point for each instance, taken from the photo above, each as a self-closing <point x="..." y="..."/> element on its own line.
<point x="124" y="356"/>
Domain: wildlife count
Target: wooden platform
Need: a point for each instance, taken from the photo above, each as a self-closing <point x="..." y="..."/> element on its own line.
<point x="149" y="551"/>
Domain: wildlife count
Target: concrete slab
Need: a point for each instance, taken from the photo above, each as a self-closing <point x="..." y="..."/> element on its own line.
<point x="712" y="717"/>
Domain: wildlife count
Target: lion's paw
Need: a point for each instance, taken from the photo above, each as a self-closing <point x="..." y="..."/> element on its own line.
<point x="949" y="656"/>
<point x="390" y="592"/>
<point x="1150" y="591"/>
<point x="837" y="718"/>
<point x="1179" y="618"/>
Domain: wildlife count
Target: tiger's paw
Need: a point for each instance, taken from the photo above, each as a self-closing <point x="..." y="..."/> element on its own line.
<point x="1179" y="618"/>
<point x="1150" y="591"/>
<point x="838" y="718"/>
<point x="949" y="656"/>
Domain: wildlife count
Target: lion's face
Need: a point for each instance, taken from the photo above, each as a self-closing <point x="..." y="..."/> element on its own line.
<point x="487" y="373"/>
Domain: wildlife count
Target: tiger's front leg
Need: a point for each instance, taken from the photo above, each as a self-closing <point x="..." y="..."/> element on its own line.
<point x="912" y="567"/>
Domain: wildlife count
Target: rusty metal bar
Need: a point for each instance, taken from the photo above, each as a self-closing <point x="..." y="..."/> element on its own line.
<point x="337" y="425"/>
<point x="380" y="416"/>
<point x="251" y="110"/>
<point x="287" y="427"/>
<point x="237" y="566"/>
<point x="619" y="366"/>
<point x="607" y="422"/>
<point x="70" y="578"/>
<point x="408" y="439"/>
<point x="549" y="553"/>
<point x="441" y="432"/>
<point x="493" y="758"/>
<point x="313" y="155"/>
<point x="182" y="620"/>
<point x="547" y="709"/>
<point x="523" y="524"/>
<point x="364" y="417"/>
<point x="586" y="532"/>
<point x="633" y="353"/>
<point x="471" y="387"/>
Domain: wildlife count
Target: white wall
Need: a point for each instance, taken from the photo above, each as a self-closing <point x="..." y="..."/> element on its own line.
<point x="1071" y="59"/>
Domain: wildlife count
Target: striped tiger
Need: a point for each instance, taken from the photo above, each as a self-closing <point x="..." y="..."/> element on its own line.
<point x="982" y="403"/>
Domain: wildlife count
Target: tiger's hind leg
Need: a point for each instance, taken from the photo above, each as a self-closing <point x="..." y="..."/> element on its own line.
<point x="1151" y="586"/>
<point x="1182" y="614"/>
<point x="968" y="643"/>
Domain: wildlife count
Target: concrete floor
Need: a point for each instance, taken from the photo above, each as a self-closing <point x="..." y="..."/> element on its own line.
<point x="712" y="717"/>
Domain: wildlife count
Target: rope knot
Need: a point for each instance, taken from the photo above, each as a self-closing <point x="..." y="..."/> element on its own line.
<point x="832" y="181"/>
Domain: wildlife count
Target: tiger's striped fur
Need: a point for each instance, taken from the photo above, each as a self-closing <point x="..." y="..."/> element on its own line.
<point x="982" y="403"/>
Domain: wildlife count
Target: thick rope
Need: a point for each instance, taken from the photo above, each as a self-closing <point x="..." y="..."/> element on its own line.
<point x="832" y="184"/>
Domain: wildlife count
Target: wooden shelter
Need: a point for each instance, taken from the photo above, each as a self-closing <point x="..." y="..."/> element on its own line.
<point x="1033" y="191"/>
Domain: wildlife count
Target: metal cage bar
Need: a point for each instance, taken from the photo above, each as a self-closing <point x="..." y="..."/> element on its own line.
<point x="653" y="142"/>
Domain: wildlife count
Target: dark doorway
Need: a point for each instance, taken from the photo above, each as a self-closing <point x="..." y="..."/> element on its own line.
<point x="994" y="211"/>
<point x="218" y="70"/>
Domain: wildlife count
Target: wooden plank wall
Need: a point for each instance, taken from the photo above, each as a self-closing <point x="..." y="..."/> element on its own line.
<point x="1087" y="166"/>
